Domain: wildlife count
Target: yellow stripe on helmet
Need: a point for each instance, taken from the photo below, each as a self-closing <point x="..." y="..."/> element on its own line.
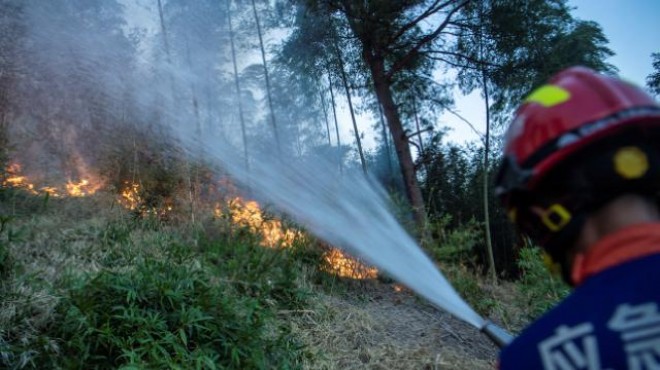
<point x="548" y="96"/>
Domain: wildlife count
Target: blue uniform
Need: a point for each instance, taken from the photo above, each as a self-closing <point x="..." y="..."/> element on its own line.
<point x="610" y="321"/>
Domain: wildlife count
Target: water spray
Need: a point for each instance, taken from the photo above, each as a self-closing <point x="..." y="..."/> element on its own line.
<point x="329" y="205"/>
<point x="345" y="208"/>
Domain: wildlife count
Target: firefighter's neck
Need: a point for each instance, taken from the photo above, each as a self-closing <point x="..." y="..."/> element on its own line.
<point x="621" y="212"/>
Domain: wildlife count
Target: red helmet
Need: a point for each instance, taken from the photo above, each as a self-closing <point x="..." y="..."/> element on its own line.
<point x="570" y="123"/>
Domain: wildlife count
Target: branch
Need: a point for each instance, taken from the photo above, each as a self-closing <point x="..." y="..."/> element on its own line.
<point x="466" y="66"/>
<point x="415" y="144"/>
<point x="425" y="40"/>
<point x="419" y="132"/>
<point x="463" y="56"/>
<point x="432" y="9"/>
<point x="479" y="134"/>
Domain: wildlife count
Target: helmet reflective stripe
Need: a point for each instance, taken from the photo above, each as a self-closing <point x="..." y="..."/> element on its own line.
<point x="548" y="96"/>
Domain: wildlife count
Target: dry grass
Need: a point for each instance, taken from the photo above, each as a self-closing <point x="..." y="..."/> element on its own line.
<point x="387" y="330"/>
<point x="367" y="326"/>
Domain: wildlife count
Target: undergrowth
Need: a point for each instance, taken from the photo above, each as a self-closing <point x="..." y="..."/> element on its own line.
<point x="514" y="303"/>
<point x="112" y="291"/>
<point x="540" y="289"/>
<point x="85" y="285"/>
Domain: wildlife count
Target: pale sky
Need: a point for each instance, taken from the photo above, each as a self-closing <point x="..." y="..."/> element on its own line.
<point x="633" y="30"/>
<point x="631" y="26"/>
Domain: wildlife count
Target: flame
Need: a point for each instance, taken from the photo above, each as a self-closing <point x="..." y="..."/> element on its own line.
<point x="17" y="180"/>
<point x="81" y="188"/>
<point x="346" y="266"/>
<point x="248" y="214"/>
<point x="51" y="191"/>
<point x="273" y="233"/>
<point x="130" y="197"/>
<point x="241" y="213"/>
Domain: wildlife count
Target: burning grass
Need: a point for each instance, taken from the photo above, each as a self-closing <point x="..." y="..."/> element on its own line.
<point x="73" y="188"/>
<point x="79" y="269"/>
<point x="240" y="212"/>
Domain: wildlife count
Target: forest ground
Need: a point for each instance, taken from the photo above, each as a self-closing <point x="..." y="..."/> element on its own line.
<point x="371" y="325"/>
<point x="342" y="324"/>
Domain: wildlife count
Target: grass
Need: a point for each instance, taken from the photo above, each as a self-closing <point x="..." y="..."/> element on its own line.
<point x="540" y="290"/>
<point x="84" y="284"/>
<point x="512" y="304"/>
<point x="89" y="289"/>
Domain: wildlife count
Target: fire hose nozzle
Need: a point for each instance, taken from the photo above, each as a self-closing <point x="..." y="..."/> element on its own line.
<point x="499" y="336"/>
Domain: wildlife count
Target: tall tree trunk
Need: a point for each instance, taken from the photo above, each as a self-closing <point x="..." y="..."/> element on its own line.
<point x="484" y="81"/>
<point x="195" y="101"/>
<point x="419" y="132"/>
<point x="386" y="140"/>
<point x="377" y="66"/>
<point x="238" y="88"/>
<point x="325" y="115"/>
<point x="334" y="113"/>
<point x="344" y="79"/>
<point x="168" y="55"/>
<point x="166" y="48"/>
<point x="268" y="90"/>
<point x="489" y="243"/>
<point x="419" y="129"/>
<point x="166" y="43"/>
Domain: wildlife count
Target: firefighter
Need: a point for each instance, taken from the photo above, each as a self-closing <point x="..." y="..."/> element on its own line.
<point x="581" y="178"/>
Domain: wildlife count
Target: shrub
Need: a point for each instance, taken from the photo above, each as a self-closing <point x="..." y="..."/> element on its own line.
<point x="540" y="289"/>
<point x="458" y="246"/>
<point x="6" y="237"/>
<point x="271" y="275"/>
<point x="165" y="316"/>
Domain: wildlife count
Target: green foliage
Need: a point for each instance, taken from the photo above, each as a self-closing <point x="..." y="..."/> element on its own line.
<point x="164" y="316"/>
<point x="457" y="255"/>
<point x="269" y="275"/>
<point x="540" y="289"/>
<point x="653" y="80"/>
<point x="130" y="293"/>
<point x="159" y="315"/>
<point x="516" y="45"/>
<point x="6" y="234"/>
<point x="457" y="246"/>
<point x="469" y="287"/>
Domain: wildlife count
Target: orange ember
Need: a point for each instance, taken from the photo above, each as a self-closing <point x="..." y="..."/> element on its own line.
<point x="273" y="233"/>
<point x="75" y="189"/>
<point x="130" y="197"/>
<point x="81" y="188"/>
<point x="248" y="214"/>
<point x="16" y="180"/>
<point x="346" y="266"/>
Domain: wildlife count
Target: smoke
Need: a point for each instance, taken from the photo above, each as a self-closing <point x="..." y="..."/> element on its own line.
<point x="92" y="80"/>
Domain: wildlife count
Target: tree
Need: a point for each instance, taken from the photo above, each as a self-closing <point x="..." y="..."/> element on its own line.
<point x="267" y="79"/>
<point x="653" y="80"/>
<point x="390" y="39"/>
<point x="347" y="90"/>
<point x="519" y="44"/>
<point x="13" y="30"/>
<point x="238" y="86"/>
<point x="510" y="47"/>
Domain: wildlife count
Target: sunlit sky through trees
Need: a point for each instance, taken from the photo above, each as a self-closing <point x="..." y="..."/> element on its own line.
<point x="631" y="27"/>
<point x="633" y="31"/>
